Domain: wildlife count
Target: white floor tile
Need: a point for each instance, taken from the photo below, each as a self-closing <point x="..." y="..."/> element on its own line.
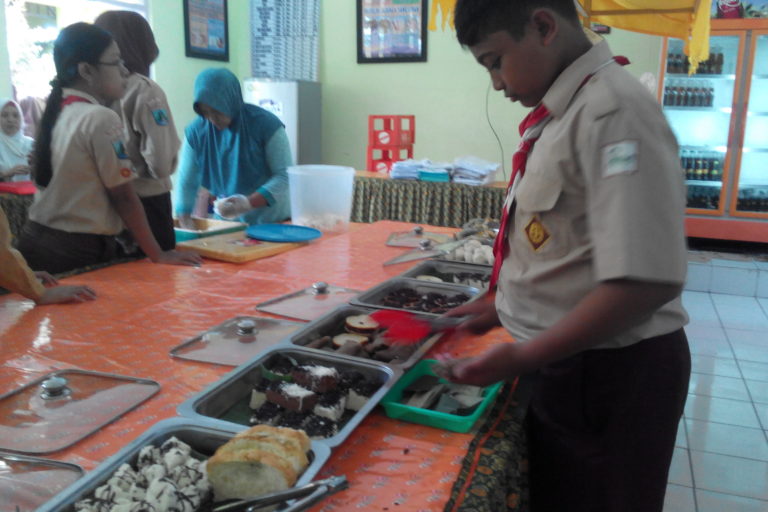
<point x="706" y="436"/>
<point x="680" y="469"/>
<point x="747" y="352"/>
<point x="730" y="475"/>
<point x="762" y="283"/>
<point x="738" y="312"/>
<point x="754" y="371"/>
<point x="714" y="365"/>
<point x="747" y="337"/>
<point x="734" y="281"/>
<point x="699" y="277"/>
<point x="709" y="501"/>
<point x="681" y="441"/>
<point x="721" y="410"/>
<point x="715" y="385"/>
<point x="704" y="332"/>
<point x="711" y="348"/>
<point x="679" y="499"/>
<point x="758" y="390"/>
<point x="762" y="413"/>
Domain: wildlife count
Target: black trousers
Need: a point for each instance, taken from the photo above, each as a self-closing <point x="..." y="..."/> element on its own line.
<point x="57" y="251"/>
<point x="160" y="219"/>
<point x="602" y="427"/>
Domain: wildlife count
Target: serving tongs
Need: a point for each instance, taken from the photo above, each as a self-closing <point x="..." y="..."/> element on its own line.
<point x="311" y="493"/>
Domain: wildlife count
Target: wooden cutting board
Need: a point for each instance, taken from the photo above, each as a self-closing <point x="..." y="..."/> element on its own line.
<point x="235" y="247"/>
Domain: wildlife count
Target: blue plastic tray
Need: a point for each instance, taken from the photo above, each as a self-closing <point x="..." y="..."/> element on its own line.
<point x="282" y="233"/>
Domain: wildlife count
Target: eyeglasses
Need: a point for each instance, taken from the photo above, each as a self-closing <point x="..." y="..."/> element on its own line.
<point x="118" y="62"/>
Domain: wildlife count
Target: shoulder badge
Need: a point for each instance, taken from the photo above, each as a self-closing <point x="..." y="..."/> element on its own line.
<point x="119" y="148"/>
<point x="536" y="233"/>
<point x="161" y="116"/>
<point x="620" y="158"/>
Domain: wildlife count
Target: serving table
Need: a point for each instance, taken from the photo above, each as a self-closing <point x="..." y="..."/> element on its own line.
<point x="143" y="310"/>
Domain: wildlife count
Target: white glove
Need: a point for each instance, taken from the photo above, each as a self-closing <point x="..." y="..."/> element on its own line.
<point x="232" y="206"/>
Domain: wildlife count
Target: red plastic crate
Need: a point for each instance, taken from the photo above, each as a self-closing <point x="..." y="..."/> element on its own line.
<point x="381" y="160"/>
<point x="389" y="131"/>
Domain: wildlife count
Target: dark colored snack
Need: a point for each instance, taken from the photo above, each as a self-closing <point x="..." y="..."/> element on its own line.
<point x="319" y="427"/>
<point x="267" y="414"/>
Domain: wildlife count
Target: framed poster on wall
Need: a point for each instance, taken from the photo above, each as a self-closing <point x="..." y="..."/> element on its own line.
<point x="391" y="31"/>
<point x="206" y="33"/>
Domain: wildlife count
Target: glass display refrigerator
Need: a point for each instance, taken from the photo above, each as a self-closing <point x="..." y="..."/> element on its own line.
<point x="720" y="118"/>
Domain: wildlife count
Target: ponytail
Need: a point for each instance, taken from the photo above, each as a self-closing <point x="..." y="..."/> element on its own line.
<point x="79" y="42"/>
<point x="42" y="170"/>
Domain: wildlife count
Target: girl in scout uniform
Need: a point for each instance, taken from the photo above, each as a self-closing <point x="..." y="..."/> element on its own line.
<point x="151" y="141"/>
<point x="592" y="260"/>
<point x="83" y="173"/>
<point x="14" y="145"/>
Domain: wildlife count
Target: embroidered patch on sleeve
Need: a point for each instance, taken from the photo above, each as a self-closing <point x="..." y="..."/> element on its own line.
<point x="537" y="234"/>
<point x="620" y="158"/>
<point x="119" y="148"/>
<point x="161" y="116"/>
<point x="125" y="172"/>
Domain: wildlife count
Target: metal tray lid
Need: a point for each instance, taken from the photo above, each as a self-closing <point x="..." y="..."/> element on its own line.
<point x="61" y="408"/>
<point x="204" y="437"/>
<point x="414" y="237"/>
<point x="235" y="341"/>
<point x="225" y="402"/>
<point x="309" y="303"/>
<point x="28" y="482"/>
<point x="333" y="323"/>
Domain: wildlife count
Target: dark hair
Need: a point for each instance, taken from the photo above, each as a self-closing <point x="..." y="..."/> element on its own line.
<point x="79" y="42"/>
<point x="134" y="37"/>
<point x="477" y="19"/>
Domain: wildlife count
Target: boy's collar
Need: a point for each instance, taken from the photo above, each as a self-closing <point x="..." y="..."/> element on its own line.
<point x="67" y="91"/>
<point x="565" y="86"/>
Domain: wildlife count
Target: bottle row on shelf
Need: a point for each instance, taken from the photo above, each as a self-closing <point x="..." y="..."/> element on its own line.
<point x="679" y="63"/>
<point x="703" y="197"/>
<point x="684" y="93"/>
<point x="702" y="165"/>
<point x="752" y="200"/>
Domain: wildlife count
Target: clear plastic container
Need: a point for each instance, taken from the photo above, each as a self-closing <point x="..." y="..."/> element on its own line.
<point x="321" y="196"/>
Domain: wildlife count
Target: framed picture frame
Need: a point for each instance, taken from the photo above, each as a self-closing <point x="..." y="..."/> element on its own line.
<point x="206" y="29"/>
<point x="391" y="31"/>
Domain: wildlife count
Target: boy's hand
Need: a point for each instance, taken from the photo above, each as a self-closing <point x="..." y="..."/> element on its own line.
<point x="173" y="257"/>
<point x="232" y="206"/>
<point x="482" y="315"/>
<point x="66" y="293"/>
<point x="501" y="362"/>
<point x="46" y="278"/>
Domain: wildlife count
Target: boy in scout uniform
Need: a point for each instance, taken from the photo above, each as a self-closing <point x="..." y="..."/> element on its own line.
<point x="591" y="262"/>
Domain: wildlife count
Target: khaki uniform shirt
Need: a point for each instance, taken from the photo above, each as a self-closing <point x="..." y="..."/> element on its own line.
<point x="15" y="274"/>
<point x="152" y="143"/>
<point x="88" y="157"/>
<point x="603" y="197"/>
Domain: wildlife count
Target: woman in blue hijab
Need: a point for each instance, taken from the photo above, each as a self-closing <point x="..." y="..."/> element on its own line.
<point x="238" y="152"/>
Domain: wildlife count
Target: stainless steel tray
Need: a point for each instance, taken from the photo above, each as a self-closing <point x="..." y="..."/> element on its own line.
<point x="231" y="344"/>
<point x="26" y="483"/>
<point x="204" y="437"/>
<point x="333" y="323"/>
<point x="454" y="270"/>
<point x="65" y="406"/>
<point x="226" y="402"/>
<point x="374" y="297"/>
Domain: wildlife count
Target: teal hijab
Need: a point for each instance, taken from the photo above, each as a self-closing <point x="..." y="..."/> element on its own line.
<point x="233" y="160"/>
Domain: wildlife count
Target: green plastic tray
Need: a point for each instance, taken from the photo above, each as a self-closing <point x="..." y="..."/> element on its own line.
<point x="441" y="420"/>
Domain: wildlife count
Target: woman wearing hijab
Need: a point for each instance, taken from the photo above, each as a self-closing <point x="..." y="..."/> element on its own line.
<point x="151" y="140"/>
<point x="15" y="147"/>
<point x="237" y="151"/>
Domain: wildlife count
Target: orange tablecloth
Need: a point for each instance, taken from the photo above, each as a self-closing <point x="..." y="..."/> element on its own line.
<point x="144" y="310"/>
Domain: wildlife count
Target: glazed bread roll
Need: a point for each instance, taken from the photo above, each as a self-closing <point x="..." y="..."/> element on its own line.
<point x="258" y="461"/>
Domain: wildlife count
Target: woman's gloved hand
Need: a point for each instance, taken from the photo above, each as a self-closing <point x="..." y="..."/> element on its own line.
<point x="232" y="206"/>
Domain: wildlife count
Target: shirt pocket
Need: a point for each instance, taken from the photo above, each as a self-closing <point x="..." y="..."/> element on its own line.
<point x="541" y="228"/>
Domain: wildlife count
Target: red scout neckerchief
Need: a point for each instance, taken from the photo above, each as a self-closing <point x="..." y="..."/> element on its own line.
<point x="73" y="98"/>
<point x="530" y="131"/>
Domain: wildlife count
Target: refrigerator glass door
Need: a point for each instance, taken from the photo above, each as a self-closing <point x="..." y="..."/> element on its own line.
<point x="699" y="109"/>
<point x="752" y="194"/>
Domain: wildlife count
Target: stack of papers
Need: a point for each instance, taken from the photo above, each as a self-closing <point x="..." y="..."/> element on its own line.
<point x="471" y="170"/>
<point x="421" y="169"/>
<point x="406" y="169"/>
